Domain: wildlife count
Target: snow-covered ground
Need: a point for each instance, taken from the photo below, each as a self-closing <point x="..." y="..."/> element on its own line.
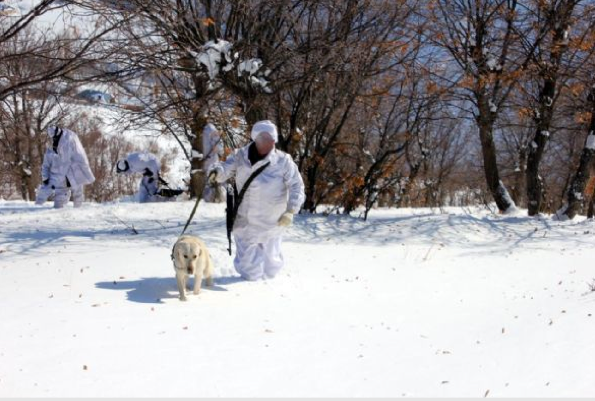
<point x="413" y="302"/>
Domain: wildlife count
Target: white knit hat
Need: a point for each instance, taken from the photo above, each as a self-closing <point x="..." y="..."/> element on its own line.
<point x="264" y="126"/>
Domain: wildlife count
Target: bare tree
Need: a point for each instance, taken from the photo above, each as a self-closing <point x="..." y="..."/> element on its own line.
<point x="196" y="50"/>
<point x="585" y="170"/>
<point x="251" y="55"/>
<point x="60" y="54"/>
<point x="352" y="51"/>
<point x="557" y="17"/>
<point x="486" y="61"/>
<point x="399" y="138"/>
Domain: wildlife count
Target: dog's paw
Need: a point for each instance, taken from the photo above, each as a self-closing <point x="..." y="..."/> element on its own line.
<point x="183" y="299"/>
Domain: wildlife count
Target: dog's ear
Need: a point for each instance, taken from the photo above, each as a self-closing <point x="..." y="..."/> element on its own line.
<point x="178" y="254"/>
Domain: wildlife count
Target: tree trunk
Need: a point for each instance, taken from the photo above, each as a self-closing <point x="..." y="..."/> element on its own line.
<point x="197" y="175"/>
<point x="310" y="189"/>
<point x="576" y="192"/>
<point x="490" y="166"/>
<point x="575" y="196"/>
<point x="547" y="94"/>
<point x="591" y="190"/>
<point x="519" y="190"/>
<point x="28" y="176"/>
<point x="28" y="188"/>
<point x="17" y="167"/>
<point x="536" y="149"/>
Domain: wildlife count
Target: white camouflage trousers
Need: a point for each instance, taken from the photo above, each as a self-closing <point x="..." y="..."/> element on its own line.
<point x="254" y="261"/>
<point x="61" y="193"/>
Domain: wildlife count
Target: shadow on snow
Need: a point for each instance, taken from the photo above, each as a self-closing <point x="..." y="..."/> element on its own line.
<point x="154" y="290"/>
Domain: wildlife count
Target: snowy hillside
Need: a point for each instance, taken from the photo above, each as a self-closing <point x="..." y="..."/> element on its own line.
<point x="410" y="303"/>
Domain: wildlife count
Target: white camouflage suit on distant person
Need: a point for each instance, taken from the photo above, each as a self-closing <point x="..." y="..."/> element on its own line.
<point x="268" y="205"/>
<point x="149" y="166"/>
<point x="213" y="149"/>
<point x="65" y="169"/>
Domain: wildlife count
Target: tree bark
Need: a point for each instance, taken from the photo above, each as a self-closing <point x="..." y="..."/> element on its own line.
<point x="549" y="73"/>
<point x="197" y="174"/>
<point x="520" y="189"/>
<point x="310" y="190"/>
<point x="490" y="165"/>
<point x="576" y="192"/>
<point x="536" y="150"/>
<point x="591" y="190"/>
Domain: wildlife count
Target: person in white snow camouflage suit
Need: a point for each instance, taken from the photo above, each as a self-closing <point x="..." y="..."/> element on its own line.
<point x="212" y="147"/>
<point x="149" y="166"/>
<point x="268" y="205"/>
<point x="65" y="169"/>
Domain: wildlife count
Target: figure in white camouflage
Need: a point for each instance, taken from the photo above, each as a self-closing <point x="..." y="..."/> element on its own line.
<point x="148" y="165"/>
<point x="65" y="169"/>
<point x="268" y="205"/>
<point x="213" y="150"/>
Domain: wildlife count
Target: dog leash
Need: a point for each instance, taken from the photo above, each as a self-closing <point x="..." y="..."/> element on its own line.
<point x="197" y="199"/>
<point x="187" y="222"/>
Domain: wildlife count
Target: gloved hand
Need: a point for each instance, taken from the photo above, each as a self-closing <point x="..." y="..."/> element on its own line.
<point x="286" y="219"/>
<point x="212" y="179"/>
<point x="46" y="181"/>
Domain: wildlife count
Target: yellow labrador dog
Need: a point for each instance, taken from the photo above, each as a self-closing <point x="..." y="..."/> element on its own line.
<point x="191" y="256"/>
